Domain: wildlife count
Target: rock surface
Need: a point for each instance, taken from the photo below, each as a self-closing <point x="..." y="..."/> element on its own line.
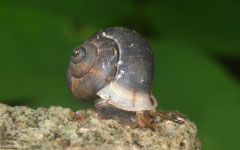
<point x="59" y="128"/>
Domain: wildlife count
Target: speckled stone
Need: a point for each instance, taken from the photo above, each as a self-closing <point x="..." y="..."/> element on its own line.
<point x="59" y="128"/>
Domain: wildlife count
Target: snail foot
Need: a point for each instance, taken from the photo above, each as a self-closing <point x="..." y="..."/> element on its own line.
<point x="123" y="117"/>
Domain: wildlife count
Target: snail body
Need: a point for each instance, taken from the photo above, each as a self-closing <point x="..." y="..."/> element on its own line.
<point x="115" y="68"/>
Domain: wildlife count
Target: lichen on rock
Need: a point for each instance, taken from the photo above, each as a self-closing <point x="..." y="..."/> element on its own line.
<point x="59" y="128"/>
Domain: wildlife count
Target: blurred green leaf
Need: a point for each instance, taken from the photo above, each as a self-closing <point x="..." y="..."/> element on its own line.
<point x="82" y="12"/>
<point x="212" y="24"/>
<point x="34" y="57"/>
<point x="190" y="81"/>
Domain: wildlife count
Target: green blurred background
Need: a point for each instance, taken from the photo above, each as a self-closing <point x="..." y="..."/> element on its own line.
<point x="196" y="46"/>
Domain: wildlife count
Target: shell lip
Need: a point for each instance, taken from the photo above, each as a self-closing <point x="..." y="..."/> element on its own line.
<point x="127" y="99"/>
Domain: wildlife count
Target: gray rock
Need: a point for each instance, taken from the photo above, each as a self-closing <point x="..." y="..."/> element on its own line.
<point x="59" y="128"/>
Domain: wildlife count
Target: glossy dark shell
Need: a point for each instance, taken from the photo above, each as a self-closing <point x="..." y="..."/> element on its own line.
<point x="136" y="62"/>
<point x="115" y="55"/>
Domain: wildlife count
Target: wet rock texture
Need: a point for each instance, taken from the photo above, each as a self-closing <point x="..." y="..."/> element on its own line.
<point x="60" y="128"/>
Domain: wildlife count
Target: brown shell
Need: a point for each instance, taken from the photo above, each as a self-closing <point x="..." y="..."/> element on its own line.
<point x="117" y="65"/>
<point x="86" y="76"/>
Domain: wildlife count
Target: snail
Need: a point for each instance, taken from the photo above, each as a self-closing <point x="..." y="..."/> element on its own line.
<point x="115" y="68"/>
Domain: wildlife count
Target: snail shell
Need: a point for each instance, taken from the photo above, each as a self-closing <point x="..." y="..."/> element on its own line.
<point x="116" y="65"/>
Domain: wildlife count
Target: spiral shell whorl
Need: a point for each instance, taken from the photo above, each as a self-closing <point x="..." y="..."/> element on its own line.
<point x="96" y="69"/>
<point x="80" y="68"/>
<point x="117" y="66"/>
